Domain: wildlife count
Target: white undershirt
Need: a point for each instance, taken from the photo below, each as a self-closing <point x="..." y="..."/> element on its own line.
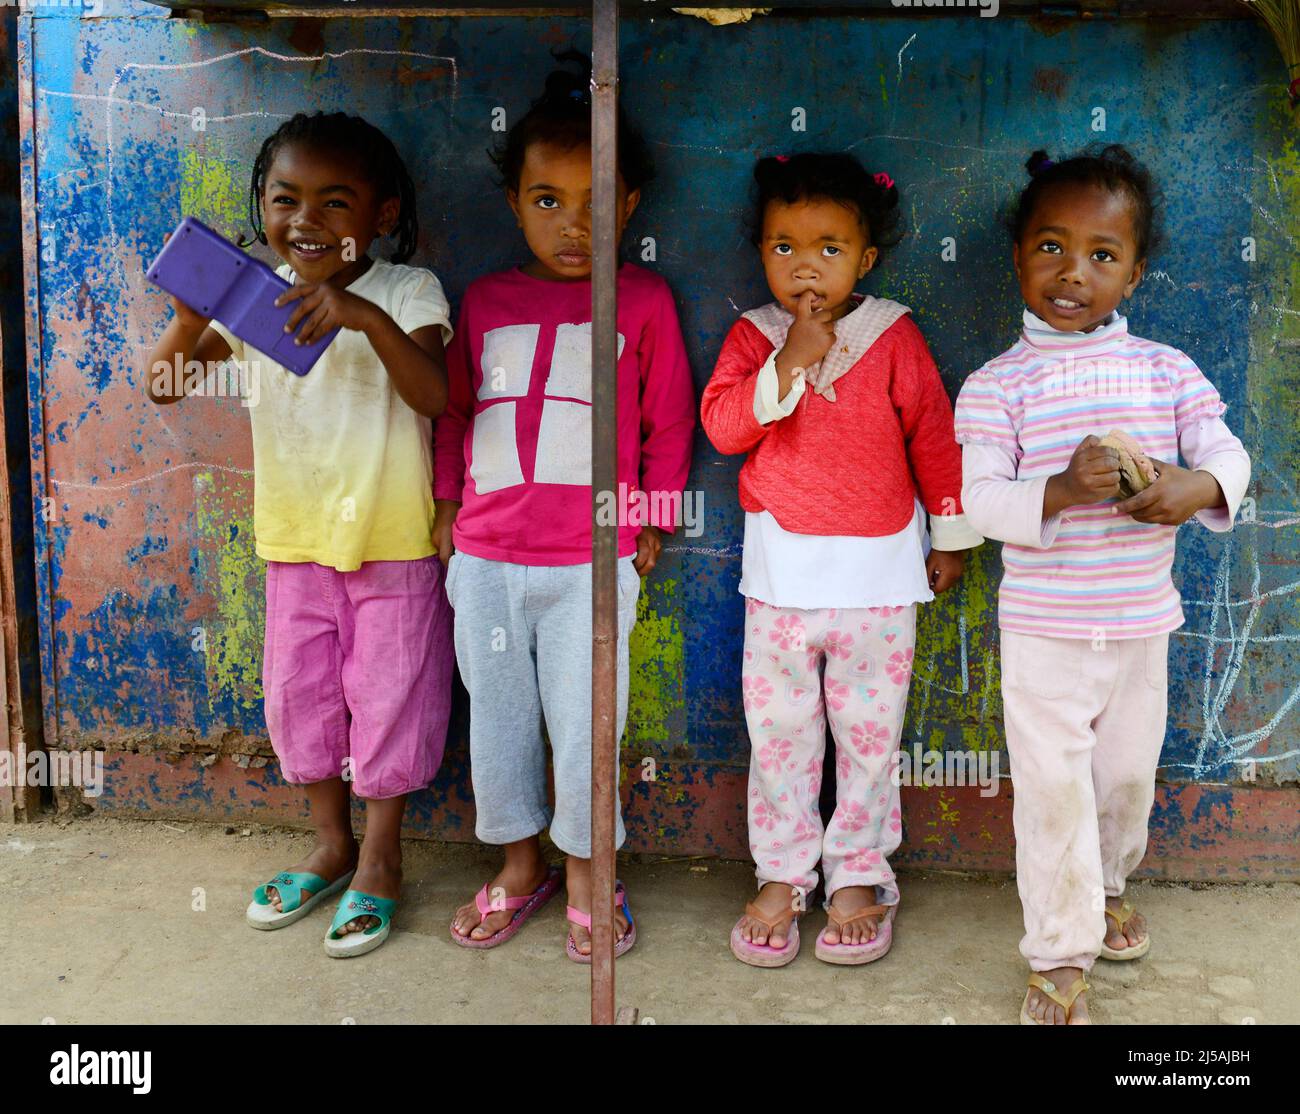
<point x="809" y="571"/>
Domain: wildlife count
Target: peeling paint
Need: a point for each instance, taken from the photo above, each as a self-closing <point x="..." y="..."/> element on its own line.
<point x="152" y="540"/>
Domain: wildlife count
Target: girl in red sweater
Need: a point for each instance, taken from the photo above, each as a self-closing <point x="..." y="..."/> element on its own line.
<point x="839" y="408"/>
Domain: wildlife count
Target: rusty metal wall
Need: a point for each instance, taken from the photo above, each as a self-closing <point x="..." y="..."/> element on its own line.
<point x="150" y="592"/>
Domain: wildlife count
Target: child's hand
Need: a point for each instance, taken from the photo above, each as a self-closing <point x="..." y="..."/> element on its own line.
<point x="648" y="544"/>
<point x="444" y="517"/>
<point x="811" y="334"/>
<point x="943" y="568"/>
<point x="1177" y="494"/>
<point x="1092" y="474"/>
<point x="324" y="307"/>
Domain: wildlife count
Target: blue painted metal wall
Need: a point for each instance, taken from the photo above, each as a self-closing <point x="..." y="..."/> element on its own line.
<point x="150" y="541"/>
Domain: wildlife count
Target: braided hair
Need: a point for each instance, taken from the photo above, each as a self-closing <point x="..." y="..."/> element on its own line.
<point x="561" y="116"/>
<point x="353" y="138"/>
<point x="1112" y="168"/>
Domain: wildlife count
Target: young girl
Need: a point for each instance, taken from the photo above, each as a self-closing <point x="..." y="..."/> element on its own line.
<point x="357" y="664"/>
<point x="836" y="401"/>
<point x="1086" y="602"/>
<point x="513" y="473"/>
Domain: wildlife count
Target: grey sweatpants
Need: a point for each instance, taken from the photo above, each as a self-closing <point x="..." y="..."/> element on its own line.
<point x="523" y="644"/>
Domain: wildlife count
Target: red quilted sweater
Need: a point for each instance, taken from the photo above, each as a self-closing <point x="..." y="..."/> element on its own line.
<point x="846" y="467"/>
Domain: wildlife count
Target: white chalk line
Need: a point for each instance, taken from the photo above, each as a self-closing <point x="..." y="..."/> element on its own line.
<point x="158" y="109"/>
<point x="139" y="481"/>
<point x="122" y="71"/>
<point x="729" y="552"/>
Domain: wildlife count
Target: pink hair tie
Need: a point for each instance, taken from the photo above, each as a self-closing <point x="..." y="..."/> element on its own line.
<point x="883" y="179"/>
<point x="782" y="158"/>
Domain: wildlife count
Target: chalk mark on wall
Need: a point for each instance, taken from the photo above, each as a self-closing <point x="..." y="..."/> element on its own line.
<point x="122" y="71"/>
<point x="141" y="480"/>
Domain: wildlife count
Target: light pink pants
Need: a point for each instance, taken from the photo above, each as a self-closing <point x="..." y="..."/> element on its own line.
<point x="1084" y="725"/>
<point x="866" y="656"/>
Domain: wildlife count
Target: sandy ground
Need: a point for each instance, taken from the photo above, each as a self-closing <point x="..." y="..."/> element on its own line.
<point x="98" y="924"/>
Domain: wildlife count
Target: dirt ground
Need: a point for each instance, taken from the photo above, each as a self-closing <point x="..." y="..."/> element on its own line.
<point x="98" y="924"/>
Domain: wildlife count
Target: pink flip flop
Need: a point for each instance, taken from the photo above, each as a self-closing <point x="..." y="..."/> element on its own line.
<point x="583" y="920"/>
<point x="524" y="908"/>
<point x="853" y="954"/>
<point x="764" y="955"/>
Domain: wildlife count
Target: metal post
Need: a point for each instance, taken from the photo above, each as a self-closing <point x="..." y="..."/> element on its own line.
<point x="604" y="538"/>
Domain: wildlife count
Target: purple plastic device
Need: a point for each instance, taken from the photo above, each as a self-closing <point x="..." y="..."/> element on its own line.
<point x="215" y="278"/>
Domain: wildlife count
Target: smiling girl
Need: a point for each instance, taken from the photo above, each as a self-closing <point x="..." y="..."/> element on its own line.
<point x="514" y="495"/>
<point x="839" y="407"/>
<point x="1086" y="602"/>
<point x="357" y="662"/>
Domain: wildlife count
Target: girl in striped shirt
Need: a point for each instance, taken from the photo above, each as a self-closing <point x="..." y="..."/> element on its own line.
<point x="1086" y="602"/>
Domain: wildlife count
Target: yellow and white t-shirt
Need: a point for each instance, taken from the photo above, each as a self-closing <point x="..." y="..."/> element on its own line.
<point x="343" y="469"/>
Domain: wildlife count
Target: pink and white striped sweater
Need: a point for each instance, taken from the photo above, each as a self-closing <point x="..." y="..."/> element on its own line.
<point x="1086" y="572"/>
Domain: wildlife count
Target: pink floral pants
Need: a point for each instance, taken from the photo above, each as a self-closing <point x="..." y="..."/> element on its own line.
<point x="852" y="666"/>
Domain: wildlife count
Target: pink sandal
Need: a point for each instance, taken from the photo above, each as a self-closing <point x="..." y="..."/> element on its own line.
<point x="524" y="908"/>
<point x="583" y="920"/>
<point x="852" y="954"/>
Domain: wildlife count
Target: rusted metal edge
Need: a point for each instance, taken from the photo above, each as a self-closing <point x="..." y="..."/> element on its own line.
<point x="1034" y="9"/>
<point x="26" y="798"/>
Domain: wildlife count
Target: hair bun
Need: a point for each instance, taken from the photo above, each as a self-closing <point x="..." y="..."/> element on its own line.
<point x="769" y="167"/>
<point x="1038" y="162"/>
<point x="564" y="84"/>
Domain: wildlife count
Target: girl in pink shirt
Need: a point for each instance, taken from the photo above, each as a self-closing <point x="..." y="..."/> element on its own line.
<point x="513" y="473"/>
<point x="836" y="402"/>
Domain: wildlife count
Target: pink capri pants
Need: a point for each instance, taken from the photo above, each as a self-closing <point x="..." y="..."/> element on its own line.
<point x="357" y="673"/>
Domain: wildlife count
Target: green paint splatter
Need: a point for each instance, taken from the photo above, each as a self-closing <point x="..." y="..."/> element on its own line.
<point x="230" y="570"/>
<point x="934" y="713"/>
<point x="209" y="189"/>
<point x="656" y="692"/>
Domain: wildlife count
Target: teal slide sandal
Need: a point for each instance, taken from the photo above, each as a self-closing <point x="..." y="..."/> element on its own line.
<point x="356" y="904"/>
<point x="291" y="886"/>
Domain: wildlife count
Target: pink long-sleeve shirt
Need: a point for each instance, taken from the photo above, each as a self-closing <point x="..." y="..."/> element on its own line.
<point x="514" y="444"/>
<point x="1087" y="571"/>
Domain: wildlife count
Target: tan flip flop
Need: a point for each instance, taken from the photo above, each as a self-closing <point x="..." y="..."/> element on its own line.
<point x="1063" y="999"/>
<point x="1121" y="918"/>
<point x="764" y="955"/>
